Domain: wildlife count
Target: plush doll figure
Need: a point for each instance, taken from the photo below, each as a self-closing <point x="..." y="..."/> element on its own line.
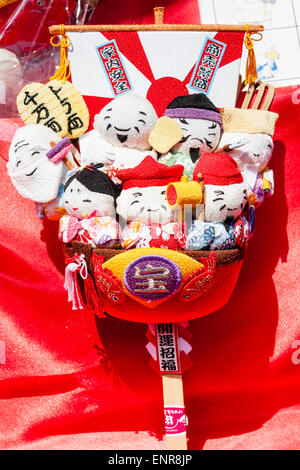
<point x="224" y="188"/>
<point x="143" y="203"/>
<point x="121" y="132"/>
<point x="35" y="175"/>
<point x="225" y="196"/>
<point x="89" y="199"/>
<point x="254" y="129"/>
<point x="201" y="125"/>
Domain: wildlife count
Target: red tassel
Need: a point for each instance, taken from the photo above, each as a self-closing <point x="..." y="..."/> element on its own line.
<point x="91" y="296"/>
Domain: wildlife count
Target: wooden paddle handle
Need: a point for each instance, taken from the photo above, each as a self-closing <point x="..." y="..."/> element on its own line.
<point x="173" y="398"/>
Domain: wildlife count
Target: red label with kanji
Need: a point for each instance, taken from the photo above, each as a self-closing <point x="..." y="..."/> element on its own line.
<point x="175" y="420"/>
<point x="114" y="68"/>
<point x="167" y="348"/>
<point x="207" y="65"/>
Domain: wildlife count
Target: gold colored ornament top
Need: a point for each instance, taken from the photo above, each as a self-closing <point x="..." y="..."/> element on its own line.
<point x="62" y="40"/>
<point x="251" y="72"/>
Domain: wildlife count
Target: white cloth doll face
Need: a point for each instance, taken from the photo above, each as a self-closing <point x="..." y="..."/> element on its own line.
<point x="257" y="149"/>
<point x="199" y="136"/>
<point x="90" y="192"/>
<point x="127" y="121"/>
<point x="32" y="173"/>
<point x="81" y="203"/>
<point x="224" y="202"/>
<point x="148" y="205"/>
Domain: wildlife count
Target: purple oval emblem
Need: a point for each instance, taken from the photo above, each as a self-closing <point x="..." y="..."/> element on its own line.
<point x="152" y="277"/>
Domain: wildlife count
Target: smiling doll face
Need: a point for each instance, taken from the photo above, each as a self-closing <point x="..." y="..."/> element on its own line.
<point x="81" y="203"/>
<point x="90" y="192"/>
<point x="200" y="122"/>
<point x="225" y="191"/>
<point x="224" y="202"/>
<point x="127" y="121"/>
<point x="148" y="205"/>
<point x="199" y="135"/>
<point x="257" y="149"/>
<point x="34" y="176"/>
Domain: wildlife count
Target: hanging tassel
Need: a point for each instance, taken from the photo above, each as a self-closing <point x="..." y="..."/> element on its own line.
<point x="76" y="265"/>
<point x="251" y="72"/>
<point x="91" y="295"/>
<point x="64" y="71"/>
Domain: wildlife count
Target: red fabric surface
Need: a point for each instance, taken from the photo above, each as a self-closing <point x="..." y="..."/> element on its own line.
<point x="6" y="11"/>
<point x="69" y="382"/>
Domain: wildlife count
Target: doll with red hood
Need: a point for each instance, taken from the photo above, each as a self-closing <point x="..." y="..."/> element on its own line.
<point x="225" y="199"/>
<point x="143" y="205"/>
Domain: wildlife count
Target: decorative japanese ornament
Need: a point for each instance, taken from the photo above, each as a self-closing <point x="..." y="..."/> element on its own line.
<point x="57" y="104"/>
<point x="152" y="284"/>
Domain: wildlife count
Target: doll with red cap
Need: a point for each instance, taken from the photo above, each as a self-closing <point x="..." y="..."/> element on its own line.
<point x="143" y="205"/>
<point x="225" y="197"/>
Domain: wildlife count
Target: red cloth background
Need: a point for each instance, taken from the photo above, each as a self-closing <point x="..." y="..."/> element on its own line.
<point x="70" y="382"/>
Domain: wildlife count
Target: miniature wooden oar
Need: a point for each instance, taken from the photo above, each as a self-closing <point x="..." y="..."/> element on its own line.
<point x="169" y="348"/>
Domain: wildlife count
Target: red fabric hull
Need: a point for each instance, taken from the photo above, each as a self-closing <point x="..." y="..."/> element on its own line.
<point x="175" y="309"/>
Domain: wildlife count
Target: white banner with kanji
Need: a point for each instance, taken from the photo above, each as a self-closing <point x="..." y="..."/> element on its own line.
<point x="158" y="65"/>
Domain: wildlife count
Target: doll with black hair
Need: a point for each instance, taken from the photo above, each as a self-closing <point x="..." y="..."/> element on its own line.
<point x="89" y="199"/>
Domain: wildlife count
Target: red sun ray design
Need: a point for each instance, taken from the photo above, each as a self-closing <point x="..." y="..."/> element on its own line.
<point x="235" y="42"/>
<point x="164" y="89"/>
<point x="161" y="91"/>
<point x="130" y="46"/>
<point x="95" y="104"/>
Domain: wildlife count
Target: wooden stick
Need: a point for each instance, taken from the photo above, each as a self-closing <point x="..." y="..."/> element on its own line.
<point x="264" y="91"/>
<point x="248" y="96"/>
<point x="259" y="95"/>
<point x="68" y="164"/>
<point x="168" y="356"/>
<point x="55" y="29"/>
<point x="269" y="96"/>
<point x="173" y="396"/>
<point x="159" y="15"/>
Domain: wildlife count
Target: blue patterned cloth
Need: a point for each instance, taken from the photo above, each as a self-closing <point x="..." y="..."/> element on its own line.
<point x="215" y="236"/>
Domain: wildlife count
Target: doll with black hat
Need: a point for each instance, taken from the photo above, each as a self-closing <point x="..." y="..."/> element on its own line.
<point x="202" y="128"/>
